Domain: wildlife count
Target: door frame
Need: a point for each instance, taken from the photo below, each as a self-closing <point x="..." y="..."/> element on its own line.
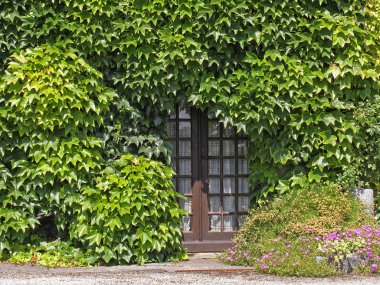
<point x="200" y="239"/>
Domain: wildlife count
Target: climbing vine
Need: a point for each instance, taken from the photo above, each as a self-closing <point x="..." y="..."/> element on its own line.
<point x="290" y="74"/>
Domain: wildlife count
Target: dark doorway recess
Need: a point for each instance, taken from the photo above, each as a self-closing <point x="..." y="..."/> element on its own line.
<point x="212" y="172"/>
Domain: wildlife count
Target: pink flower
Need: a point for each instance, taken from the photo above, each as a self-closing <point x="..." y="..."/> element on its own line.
<point x="374" y="267"/>
<point x="264" y="266"/>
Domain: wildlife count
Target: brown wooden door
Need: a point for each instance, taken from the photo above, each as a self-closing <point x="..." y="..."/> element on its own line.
<point x="212" y="172"/>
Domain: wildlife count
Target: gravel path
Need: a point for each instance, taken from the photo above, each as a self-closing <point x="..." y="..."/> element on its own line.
<point x="164" y="277"/>
<point x="199" y="269"/>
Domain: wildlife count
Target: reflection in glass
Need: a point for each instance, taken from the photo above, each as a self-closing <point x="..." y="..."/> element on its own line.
<point x="184" y="185"/>
<point x="185" y="204"/>
<point x="214" y="166"/>
<point x="214" y="204"/>
<point x="184" y="148"/>
<point x="173" y="114"/>
<point x="213" y="129"/>
<point x="184" y="167"/>
<point x="243" y="185"/>
<point x="184" y="129"/>
<point x="186" y="224"/>
<point x="229" y="204"/>
<point x="241" y="219"/>
<point x="214" y="185"/>
<point x="229" y="166"/>
<point x="229" y="185"/>
<point x="228" y="132"/>
<point x="228" y="148"/>
<point x="241" y="134"/>
<point x="242" y="147"/>
<point x="229" y="223"/>
<point x="243" y="203"/>
<point x="211" y="116"/>
<point x="242" y="166"/>
<point x="185" y="113"/>
<point x="173" y="165"/>
<point x="213" y="148"/>
<point x="171" y="129"/>
<point x="215" y="224"/>
<point x="173" y="147"/>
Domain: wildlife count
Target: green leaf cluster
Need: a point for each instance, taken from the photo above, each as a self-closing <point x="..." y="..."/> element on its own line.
<point x="53" y="152"/>
<point x="130" y="215"/>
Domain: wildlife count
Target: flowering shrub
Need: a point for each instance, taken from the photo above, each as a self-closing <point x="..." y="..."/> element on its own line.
<point x="362" y="243"/>
<point x="312" y="255"/>
<point x="281" y="256"/>
<point x="323" y="209"/>
<point x="323" y="233"/>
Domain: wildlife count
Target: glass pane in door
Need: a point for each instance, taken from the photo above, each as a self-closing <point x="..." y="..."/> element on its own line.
<point x="214" y="185"/>
<point x="213" y="129"/>
<point x="215" y="223"/>
<point x="228" y="195"/>
<point x="214" y="167"/>
<point x="213" y="148"/>
<point x="186" y="224"/>
<point x="229" y="223"/>
<point x="229" y="204"/>
<point x="228" y="185"/>
<point x="228" y="148"/>
<point x="179" y="128"/>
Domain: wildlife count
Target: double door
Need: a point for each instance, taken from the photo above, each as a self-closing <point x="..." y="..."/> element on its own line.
<point x="212" y="173"/>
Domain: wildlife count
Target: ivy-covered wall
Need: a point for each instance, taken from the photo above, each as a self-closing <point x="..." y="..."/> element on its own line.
<point x="291" y="74"/>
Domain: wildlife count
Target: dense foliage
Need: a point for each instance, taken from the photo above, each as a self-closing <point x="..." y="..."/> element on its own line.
<point x="49" y="149"/>
<point x="312" y="236"/>
<point x="86" y="81"/>
<point x="131" y="215"/>
<point x="289" y="73"/>
<point x="52" y="108"/>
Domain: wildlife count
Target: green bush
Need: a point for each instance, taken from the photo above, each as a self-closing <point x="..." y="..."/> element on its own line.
<point x="51" y="103"/>
<point x="53" y="168"/>
<point x="131" y="215"/>
<point x="285" y="237"/>
<point x="318" y="209"/>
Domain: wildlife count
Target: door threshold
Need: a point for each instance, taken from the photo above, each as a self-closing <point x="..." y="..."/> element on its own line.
<point x="207" y="246"/>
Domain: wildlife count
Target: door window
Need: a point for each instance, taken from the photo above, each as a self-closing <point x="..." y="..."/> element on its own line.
<point x="212" y="172"/>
